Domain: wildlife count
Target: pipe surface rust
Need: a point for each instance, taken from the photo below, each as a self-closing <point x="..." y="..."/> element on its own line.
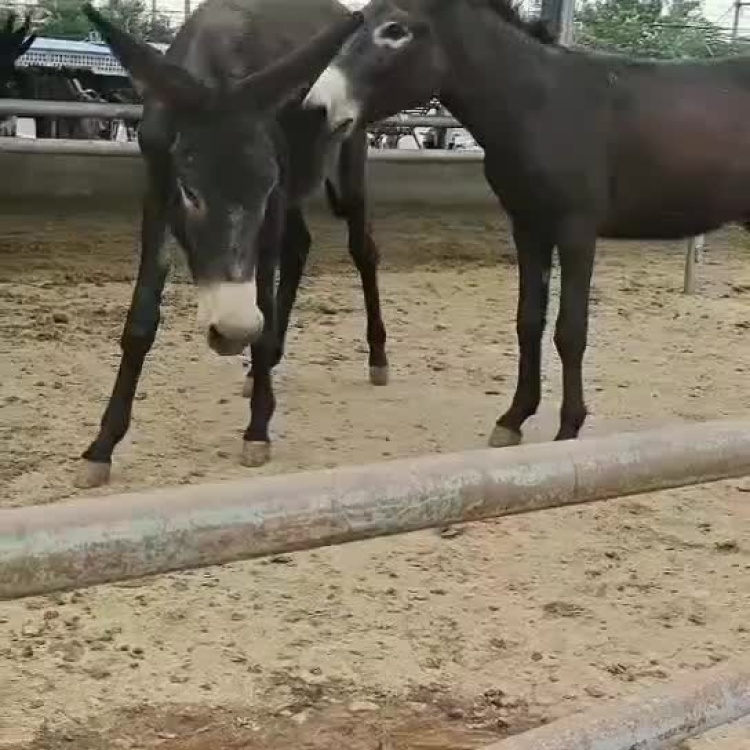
<point x="655" y="720"/>
<point x="93" y="540"/>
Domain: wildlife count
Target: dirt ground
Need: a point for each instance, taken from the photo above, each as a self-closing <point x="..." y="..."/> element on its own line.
<point x="418" y="642"/>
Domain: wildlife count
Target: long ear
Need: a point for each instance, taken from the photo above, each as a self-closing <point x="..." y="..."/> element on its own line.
<point x="148" y="67"/>
<point x="21" y="41"/>
<point x="14" y="42"/>
<point x="278" y="82"/>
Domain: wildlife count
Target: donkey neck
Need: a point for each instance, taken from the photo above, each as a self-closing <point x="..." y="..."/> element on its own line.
<point x="495" y="73"/>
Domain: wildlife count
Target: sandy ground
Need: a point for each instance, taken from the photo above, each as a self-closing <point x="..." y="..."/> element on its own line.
<point x="421" y="641"/>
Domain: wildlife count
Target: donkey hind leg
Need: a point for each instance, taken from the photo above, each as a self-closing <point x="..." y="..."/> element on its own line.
<point x="534" y="265"/>
<point x="295" y="248"/>
<point x="256" y="448"/>
<point x="351" y="205"/>
<point x="576" y="248"/>
<point x="139" y="331"/>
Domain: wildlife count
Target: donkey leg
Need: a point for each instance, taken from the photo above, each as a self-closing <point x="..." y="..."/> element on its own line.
<point x="256" y="448"/>
<point x="534" y="266"/>
<point x="138" y="333"/>
<point x="363" y="250"/>
<point x="295" y="248"/>
<point x="576" y="249"/>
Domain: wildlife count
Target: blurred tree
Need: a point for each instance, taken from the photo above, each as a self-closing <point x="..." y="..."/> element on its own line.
<point x="651" y="28"/>
<point x="63" y="19"/>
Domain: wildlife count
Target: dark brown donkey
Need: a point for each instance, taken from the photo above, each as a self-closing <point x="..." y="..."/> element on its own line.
<point x="577" y="145"/>
<point x="228" y="161"/>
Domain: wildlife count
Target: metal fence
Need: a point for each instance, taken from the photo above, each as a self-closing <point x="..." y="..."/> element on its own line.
<point x="89" y="541"/>
<point x="132" y="112"/>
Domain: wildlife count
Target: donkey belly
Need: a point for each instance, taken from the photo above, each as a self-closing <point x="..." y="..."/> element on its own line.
<point x="660" y="208"/>
<point x="679" y="163"/>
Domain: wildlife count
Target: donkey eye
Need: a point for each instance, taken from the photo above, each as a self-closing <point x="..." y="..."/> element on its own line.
<point x="189" y="193"/>
<point x="393" y="31"/>
<point x="190" y="196"/>
<point x="392" y="34"/>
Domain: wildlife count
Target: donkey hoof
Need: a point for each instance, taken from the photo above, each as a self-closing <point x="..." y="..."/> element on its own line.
<point x="503" y="437"/>
<point x="92" y="474"/>
<point x="379" y="375"/>
<point x="247" y="386"/>
<point x="255" y="453"/>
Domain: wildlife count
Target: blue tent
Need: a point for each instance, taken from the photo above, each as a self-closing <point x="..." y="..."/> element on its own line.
<point x="55" y="53"/>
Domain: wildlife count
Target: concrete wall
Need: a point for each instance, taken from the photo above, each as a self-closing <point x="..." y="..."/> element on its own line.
<point x="111" y="181"/>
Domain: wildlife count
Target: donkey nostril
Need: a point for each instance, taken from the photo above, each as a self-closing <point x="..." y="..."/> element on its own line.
<point x="344" y="126"/>
<point x="213" y="335"/>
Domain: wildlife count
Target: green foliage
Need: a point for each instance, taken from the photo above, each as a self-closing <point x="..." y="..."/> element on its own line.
<point x="664" y="29"/>
<point x="63" y="19"/>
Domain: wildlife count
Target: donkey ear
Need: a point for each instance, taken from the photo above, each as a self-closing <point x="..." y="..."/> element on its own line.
<point x="282" y="80"/>
<point x="23" y="42"/>
<point x="148" y="68"/>
<point x="14" y="41"/>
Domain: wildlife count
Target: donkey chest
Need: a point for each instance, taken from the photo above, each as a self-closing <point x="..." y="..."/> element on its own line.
<point x="310" y="154"/>
<point x="535" y="185"/>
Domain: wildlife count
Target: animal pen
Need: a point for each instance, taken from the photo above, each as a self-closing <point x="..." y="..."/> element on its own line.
<point x="100" y="540"/>
<point x="132" y="112"/>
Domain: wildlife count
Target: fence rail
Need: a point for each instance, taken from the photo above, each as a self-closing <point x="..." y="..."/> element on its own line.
<point x="100" y="540"/>
<point x="131" y="112"/>
<point x="73" y="147"/>
<point x="656" y="719"/>
<point x="108" y="111"/>
<point x="97" y="540"/>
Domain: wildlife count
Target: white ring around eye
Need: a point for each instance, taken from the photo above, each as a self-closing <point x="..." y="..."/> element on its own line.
<point x="379" y="38"/>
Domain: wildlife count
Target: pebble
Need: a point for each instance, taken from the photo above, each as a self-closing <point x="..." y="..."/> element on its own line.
<point x="98" y="673"/>
<point x="594" y="691"/>
<point x="357" y="707"/>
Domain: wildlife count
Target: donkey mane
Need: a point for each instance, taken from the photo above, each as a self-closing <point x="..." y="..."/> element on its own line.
<point x="509" y="11"/>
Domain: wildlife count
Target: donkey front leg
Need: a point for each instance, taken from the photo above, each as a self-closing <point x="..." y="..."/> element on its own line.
<point x="295" y="248"/>
<point x="256" y="448"/>
<point x="138" y="334"/>
<point x="363" y="250"/>
<point x="577" y="248"/>
<point x="534" y="265"/>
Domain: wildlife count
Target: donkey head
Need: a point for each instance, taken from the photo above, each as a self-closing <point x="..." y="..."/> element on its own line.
<point x="224" y="165"/>
<point x="391" y="63"/>
<point x="396" y="60"/>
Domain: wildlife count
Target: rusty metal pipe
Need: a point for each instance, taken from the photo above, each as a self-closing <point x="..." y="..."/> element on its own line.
<point x="99" y="540"/>
<point x="655" y="720"/>
<point x="131" y="149"/>
<point x="113" y="111"/>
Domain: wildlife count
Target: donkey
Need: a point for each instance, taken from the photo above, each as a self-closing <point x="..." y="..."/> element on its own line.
<point x="227" y="165"/>
<point x="13" y="44"/>
<point x="577" y="145"/>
